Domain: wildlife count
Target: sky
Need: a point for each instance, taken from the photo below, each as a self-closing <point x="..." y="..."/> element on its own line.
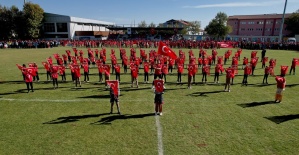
<point x="133" y="12"/>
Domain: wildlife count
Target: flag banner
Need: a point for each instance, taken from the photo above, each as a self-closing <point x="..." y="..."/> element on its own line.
<point x="235" y="67"/>
<point x="31" y="70"/>
<point x="296" y="61"/>
<point x="225" y="44"/>
<point x="271" y="71"/>
<point x="165" y="50"/>
<point x="284" y="70"/>
<point x="19" y="66"/>
<point x="159" y="86"/>
<point x="114" y="85"/>
<point x="106" y="68"/>
<point x="253" y="54"/>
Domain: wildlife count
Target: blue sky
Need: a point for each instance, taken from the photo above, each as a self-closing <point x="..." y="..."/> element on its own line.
<point x="128" y="12"/>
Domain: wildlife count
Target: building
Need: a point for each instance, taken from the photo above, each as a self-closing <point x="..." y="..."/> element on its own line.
<point x="180" y="24"/>
<point x="265" y="27"/>
<point x="66" y="27"/>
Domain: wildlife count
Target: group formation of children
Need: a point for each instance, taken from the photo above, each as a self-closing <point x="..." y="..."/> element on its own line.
<point x="156" y="64"/>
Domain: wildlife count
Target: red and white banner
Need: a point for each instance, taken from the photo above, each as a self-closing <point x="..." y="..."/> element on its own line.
<point x="159" y="85"/>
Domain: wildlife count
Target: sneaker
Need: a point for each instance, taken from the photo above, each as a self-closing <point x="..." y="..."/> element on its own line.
<point x="228" y="90"/>
<point x="217" y="82"/>
<point x="160" y="114"/>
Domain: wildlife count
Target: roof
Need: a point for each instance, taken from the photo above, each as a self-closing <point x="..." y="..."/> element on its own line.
<point x="178" y="21"/>
<point x="261" y="16"/>
<point x="50" y="17"/>
<point x="115" y="28"/>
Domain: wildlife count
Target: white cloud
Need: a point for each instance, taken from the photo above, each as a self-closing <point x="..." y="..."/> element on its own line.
<point x="235" y="4"/>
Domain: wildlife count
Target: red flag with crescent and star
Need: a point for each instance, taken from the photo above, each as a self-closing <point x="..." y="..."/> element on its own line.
<point x="114" y="85"/>
<point x="159" y="86"/>
<point x="163" y="49"/>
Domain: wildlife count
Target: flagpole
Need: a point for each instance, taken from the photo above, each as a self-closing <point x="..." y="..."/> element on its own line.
<point x="282" y="21"/>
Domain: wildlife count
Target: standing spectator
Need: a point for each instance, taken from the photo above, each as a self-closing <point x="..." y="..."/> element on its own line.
<point x="263" y="53"/>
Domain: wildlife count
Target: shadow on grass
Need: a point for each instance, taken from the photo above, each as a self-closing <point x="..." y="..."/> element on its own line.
<point x="283" y="118"/>
<point x="12" y="82"/>
<point x="109" y="119"/>
<point x="70" y="119"/>
<point x="196" y="94"/>
<point x="126" y="89"/>
<point x="254" y="104"/>
<point x="11" y="93"/>
<point x="291" y="85"/>
<point x="260" y="85"/>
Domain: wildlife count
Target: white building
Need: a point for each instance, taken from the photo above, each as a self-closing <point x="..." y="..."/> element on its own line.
<point x="66" y="27"/>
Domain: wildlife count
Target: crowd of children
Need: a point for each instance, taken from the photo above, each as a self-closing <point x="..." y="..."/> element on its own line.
<point x="157" y="64"/>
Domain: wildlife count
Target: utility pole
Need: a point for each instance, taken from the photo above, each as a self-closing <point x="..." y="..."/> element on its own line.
<point x="282" y="21"/>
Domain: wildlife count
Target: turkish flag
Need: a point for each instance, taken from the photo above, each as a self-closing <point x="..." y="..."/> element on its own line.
<point x="114" y="85"/>
<point x="159" y="86"/>
<point x="284" y="70"/>
<point x="19" y="66"/>
<point x="165" y="50"/>
<point x="106" y="69"/>
<point x="271" y="71"/>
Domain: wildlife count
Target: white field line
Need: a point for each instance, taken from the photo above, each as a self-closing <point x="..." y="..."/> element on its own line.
<point x="158" y="124"/>
<point x="159" y="135"/>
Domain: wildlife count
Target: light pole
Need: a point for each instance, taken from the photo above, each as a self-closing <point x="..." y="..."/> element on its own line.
<point x="282" y="21"/>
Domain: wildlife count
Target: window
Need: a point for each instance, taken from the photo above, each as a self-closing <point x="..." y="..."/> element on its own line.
<point x="49" y="27"/>
<point x="242" y="29"/>
<point x="260" y="22"/>
<point x="61" y="27"/>
<point x="250" y="22"/>
<point x="243" y="22"/>
<point x="269" y="22"/>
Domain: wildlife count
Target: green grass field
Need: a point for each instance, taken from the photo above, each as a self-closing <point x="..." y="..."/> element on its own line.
<point x="201" y="120"/>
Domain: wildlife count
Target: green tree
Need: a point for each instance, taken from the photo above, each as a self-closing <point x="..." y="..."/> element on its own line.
<point x="218" y="27"/>
<point x="293" y="23"/>
<point x="33" y="15"/>
<point x="194" y="27"/>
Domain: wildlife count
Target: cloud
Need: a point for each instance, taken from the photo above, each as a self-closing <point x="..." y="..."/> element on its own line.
<point x="234" y="4"/>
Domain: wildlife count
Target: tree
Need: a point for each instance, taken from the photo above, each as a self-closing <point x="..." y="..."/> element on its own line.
<point x="152" y="25"/>
<point x="194" y="27"/>
<point x="218" y="27"/>
<point x="142" y="24"/>
<point x="33" y="15"/>
<point x="293" y="23"/>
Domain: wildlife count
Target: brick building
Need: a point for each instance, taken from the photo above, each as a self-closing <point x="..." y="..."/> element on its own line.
<point x="264" y="26"/>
